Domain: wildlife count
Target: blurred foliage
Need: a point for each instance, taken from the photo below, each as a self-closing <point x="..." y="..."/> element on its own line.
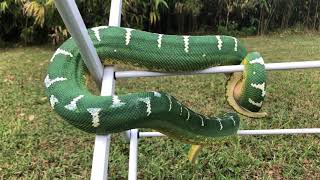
<point x="37" y="21"/>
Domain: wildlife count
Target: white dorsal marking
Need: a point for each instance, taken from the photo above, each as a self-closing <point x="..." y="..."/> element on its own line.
<point x="48" y="82"/>
<point x="235" y="44"/>
<point x="258" y="104"/>
<point x="257" y="61"/>
<point x="95" y="116"/>
<point x="188" y="114"/>
<point x="160" y="40"/>
<point x="234" y="122"/>
<point x="157" y="94"/>
<point x="60" y="51"/>
<point x="148" y="103"/>
<point x="220" y="123"/>
<point x="254" y="72"/>
<point x="53" y="101"/>
<point x="186" y="43"/>
<point x="128" y="35"/>
<point x="202" y="122"/>
<point x="219" y="42"/>
<point x="262" y="87"/>
<point x="180" y="108"/>
<point x="96" y="31"/>
<point x="73" y="104"/>
<point x="170" y="103"/>
<point x="116" y="102"/>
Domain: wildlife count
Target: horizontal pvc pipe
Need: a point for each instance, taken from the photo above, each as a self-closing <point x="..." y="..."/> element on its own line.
<point x="151" y="134"/>
<point x="280" y="131"/>
<point x="222" y="69"/>
<point x="252" y="132"/>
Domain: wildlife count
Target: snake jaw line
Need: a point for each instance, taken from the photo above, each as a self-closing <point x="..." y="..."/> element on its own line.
<point x="233" y="91"/>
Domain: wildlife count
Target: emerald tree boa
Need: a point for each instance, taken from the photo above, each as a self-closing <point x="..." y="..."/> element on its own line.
<point x="69" y="96"/>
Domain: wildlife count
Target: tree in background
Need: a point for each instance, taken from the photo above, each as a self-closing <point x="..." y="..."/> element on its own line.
<point x="33" y="21"/>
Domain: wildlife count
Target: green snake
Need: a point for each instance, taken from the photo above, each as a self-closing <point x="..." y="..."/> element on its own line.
<point x="69" y="96"/>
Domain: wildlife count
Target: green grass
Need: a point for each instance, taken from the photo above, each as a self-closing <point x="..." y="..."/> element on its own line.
<point x="36" y="144"/>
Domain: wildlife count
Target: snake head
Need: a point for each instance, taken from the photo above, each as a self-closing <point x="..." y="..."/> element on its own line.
<point x="246" y="91"/>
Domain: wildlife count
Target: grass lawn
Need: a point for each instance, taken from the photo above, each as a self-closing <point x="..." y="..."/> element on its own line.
<point x="37" y="144"/>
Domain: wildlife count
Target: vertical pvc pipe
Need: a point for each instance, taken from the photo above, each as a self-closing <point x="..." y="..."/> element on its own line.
<point x="133" y="154"/>
<point x="74" y="22"/>
<point x="115" y="13"/>
<point x="115" y="20"/>
<point x="132" y="135"/>
<point x="100" y="159"/>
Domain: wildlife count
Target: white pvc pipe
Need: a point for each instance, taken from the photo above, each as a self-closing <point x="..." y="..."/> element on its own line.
<point x="99" y="170"/>
<point x="222" y="69"/>
<point x="130" y="135"/>
<point x="151" y="134"/>
<point x="115" y="13"/>
<point x="72" y="19"/>
<point x="133" y="155"/>
<point x="252" y="132"/>
<point x="280" y="131"/>
<point x="115" y="20"/>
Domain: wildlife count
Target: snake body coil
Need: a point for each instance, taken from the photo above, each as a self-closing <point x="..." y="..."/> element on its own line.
<point x="71" y="99"/>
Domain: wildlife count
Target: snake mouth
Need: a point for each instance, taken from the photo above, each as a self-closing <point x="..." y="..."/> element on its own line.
<point x="234" y="89"/>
